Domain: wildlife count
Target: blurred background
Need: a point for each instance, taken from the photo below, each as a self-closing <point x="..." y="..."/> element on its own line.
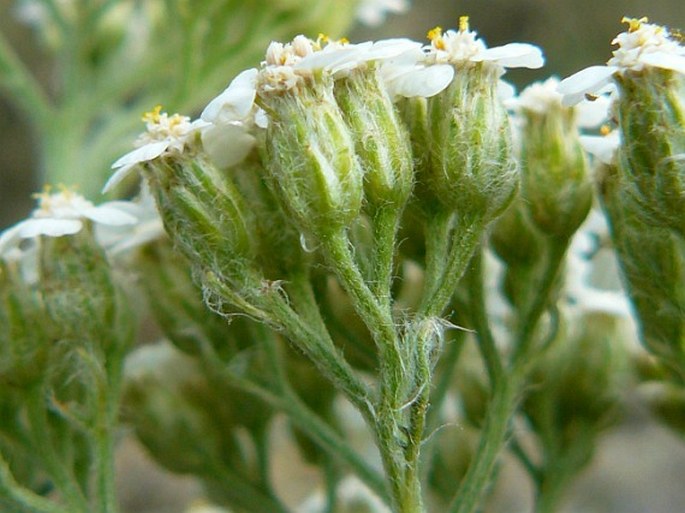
<point x="640" y="466"/>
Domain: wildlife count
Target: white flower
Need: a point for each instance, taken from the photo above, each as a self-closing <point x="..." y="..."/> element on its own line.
<point x="644" y="45"/>
<point x="148" y="227"/>
<point x="62" y="213"/>
<point x="230" y="119"/>
<point x="407" y="75"/>
<point x="286" y="67"/>
<point x="372" y="12"/>
<point x="463" y="46"/>
<point x="165" y="134"/>
<point x="604" y="146"/>
<point x="592" y="282"/>
<point x="543" y="97"/>
<point x="336" y="58"/>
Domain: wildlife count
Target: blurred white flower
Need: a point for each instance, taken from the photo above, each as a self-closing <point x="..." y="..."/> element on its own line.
<point x="373" y="12"/>
<point x="592" y="283"/>
<point x="604" y="146"/>
<point x="542" y="97"/>
<point x="642" y="46"/>
<point x="117" y="240"/>
<point x="62" y="213"/>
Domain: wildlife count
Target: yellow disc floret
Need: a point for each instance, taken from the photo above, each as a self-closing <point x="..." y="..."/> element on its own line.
<point x="463" y="23"/>
<point x="634" y="24"/>
<point x="153" y="116"/>
<point x="435" y="37"/>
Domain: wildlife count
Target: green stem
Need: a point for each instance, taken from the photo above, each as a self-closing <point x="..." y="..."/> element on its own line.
<point x="322" y="353"/>
<point x="23" y="497"/>
<point x="437" y="228"/>
<point x="528" y="320"/>
<point x="524" y="458"/>
<point x="43" y="441"/>
<point x="508" y="389"/>
<point x="386" y="220"/>
<point x="376" y="316"/>
<point x="465" y="238"/>
<point x="396" y="381"/>
<point x="502" y="406"/>
<point x="310" y="423"/>
<point x="238" y="491"/>
<point x="106" y="421"/>
<point x="331" y="482"/>
<point x="550" y="493"/>
<point x="479" y="318"/>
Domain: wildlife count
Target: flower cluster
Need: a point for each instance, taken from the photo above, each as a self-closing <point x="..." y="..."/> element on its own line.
<point x="644" y="45"/>
<point x="344" y="198"/>
<point x="63" y="213"/>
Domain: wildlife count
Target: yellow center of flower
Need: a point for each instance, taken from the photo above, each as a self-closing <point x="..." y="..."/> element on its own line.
<point x="323" y="40"/>
<point x="634" y="24"/>
<point x="604" y="130"/>
<point x="435" y="37"/>
<point x="463" y="23"/>
<point x="47" y="195"/>
<point x="50" y="202"/>
<point x="153" y="116"/>
<point x="157" y="118"/>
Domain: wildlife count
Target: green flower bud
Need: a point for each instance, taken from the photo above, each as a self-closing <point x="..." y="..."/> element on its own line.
<point x="77" y="285"/>
<point x="310" y="156"/>
<point x="381" y="140"/>
<point x="278" y="246"/>
<point x="170" y="404"/>
<point x="206" y="216"/>
<point x="652" y="262"/>
<point x="514" y="239"/>
<point x="176" y="302"/>
<point x="24" y="337"/>
<point x="575" y="390"/>
<point x="647" y="67"/>
<point x="651" y="112"/>
<point x="472" y="171"/>
<point x="555" y="185"/>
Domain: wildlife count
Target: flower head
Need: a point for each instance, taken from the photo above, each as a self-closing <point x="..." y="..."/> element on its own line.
<point x="462" y="46"/>
<point x="231" y="117"/>
<point x="541" y="98"/>
<point x="287" y="66"/>
<point x="62" y="213"/>
<point x="643" y="45"/>
<point x="165" y="134"/>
